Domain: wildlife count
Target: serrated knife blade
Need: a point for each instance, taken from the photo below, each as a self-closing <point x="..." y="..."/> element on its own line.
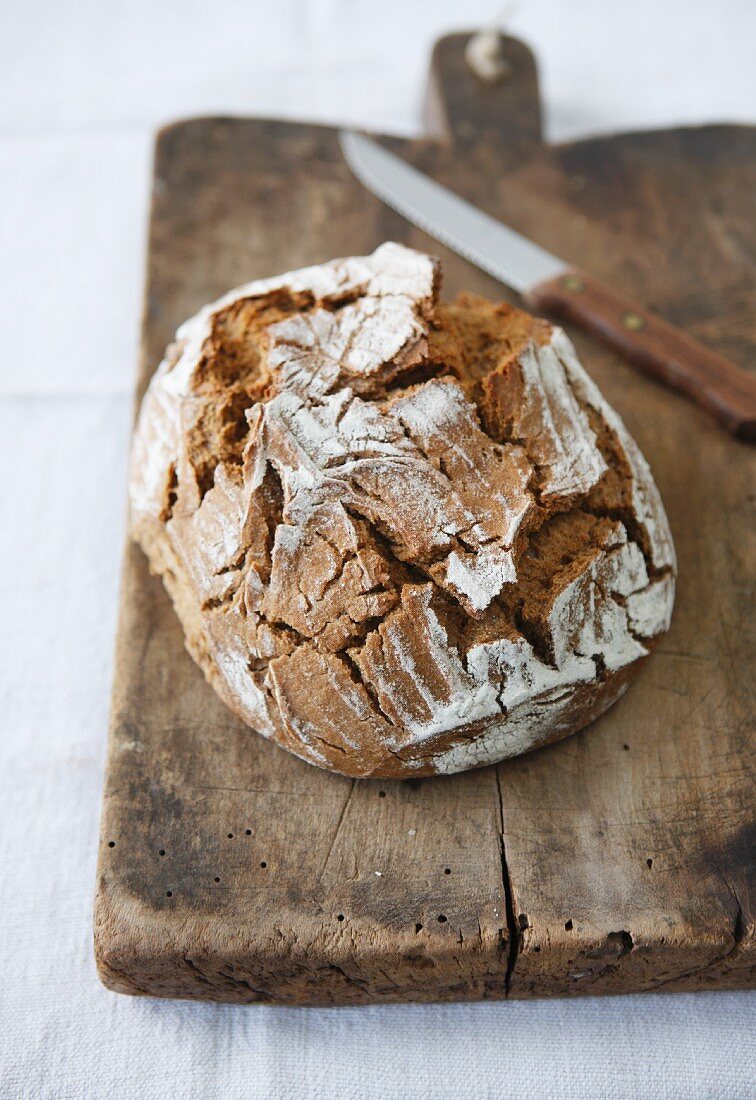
<point x="483" y="240"/>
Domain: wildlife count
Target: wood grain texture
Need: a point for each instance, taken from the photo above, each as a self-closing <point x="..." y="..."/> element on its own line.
<point x="618" y="860"/>
<point x="666" y="353"/>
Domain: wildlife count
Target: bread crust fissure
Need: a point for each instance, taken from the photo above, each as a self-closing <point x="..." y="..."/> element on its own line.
<point x="401" y="536"/>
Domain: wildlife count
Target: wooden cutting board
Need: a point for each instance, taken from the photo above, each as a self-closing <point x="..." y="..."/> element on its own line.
<point x="615" y="861"/>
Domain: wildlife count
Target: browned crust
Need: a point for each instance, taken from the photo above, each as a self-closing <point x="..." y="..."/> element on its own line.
<point x="305" y="617"/>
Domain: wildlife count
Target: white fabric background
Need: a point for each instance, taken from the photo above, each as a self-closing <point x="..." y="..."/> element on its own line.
<point x="83" y="85"/>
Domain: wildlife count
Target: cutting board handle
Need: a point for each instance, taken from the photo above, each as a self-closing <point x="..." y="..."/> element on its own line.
<point x="463" y="108"/>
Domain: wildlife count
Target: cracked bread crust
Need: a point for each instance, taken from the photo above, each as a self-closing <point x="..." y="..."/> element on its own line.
<point x="402" y="537"/>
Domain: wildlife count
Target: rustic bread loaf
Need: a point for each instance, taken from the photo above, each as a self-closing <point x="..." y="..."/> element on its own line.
<point x="402" y="537"/>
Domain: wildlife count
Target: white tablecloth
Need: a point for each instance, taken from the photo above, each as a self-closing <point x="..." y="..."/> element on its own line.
<point x="83" y="85"/>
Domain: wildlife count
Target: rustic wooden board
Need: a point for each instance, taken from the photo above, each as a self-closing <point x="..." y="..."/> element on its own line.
<point x="615" y="861"/>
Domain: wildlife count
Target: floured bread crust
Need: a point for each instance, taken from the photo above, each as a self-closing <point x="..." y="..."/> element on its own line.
<point x="402" y="537"/>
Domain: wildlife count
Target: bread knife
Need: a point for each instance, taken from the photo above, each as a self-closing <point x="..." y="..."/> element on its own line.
<point x="548" y="284"/>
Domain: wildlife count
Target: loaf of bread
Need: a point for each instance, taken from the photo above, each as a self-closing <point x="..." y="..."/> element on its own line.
<point x="403" y="537"/>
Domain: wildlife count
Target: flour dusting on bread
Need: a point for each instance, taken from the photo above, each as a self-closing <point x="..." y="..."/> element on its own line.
<point x="402" y="536"/>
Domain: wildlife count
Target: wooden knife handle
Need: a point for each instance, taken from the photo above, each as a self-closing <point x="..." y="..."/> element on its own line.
<point x="657" y="347"/>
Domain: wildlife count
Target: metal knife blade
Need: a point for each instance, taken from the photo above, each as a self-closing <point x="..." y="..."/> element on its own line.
<point x="483" y="240"/>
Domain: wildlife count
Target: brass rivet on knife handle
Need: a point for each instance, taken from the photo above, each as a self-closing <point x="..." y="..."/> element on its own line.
<point x="666" y="353"/>
<point x="632" y="321"/>
<point x="573" y="283"/>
